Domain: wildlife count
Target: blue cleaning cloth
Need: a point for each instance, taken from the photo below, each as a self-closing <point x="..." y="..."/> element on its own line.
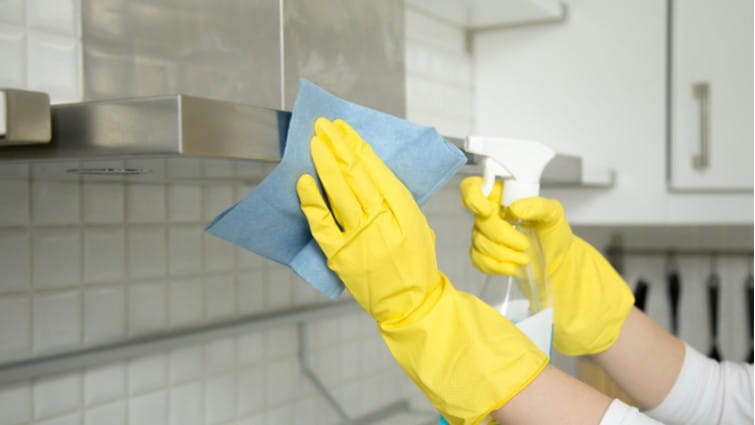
<point x="269" y="221"/>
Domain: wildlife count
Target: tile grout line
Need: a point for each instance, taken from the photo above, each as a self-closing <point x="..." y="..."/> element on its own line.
<point x="126" y="261"/>
<point x="126" y="394"/>
<point x="33" y="382"/>
<point x="30" y="252"/>
<point x="167" y="225"/>
<point x="167" y="386"/>
<point x="121" y="282"/>
<point x="80" y="289"/>
<point x="202" y="253"/>
<point x="82" y="261"/>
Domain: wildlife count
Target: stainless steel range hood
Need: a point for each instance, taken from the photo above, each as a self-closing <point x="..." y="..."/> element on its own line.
<point x="244" y="52"/>
<point x="157" y="127"/>
<point x="177" y="128"/>
<point x="243" y="141"/>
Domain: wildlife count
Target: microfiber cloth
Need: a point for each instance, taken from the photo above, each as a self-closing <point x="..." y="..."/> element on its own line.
<point x="269" y="220"/>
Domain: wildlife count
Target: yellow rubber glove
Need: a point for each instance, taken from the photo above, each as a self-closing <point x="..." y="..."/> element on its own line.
<point x="464" y="356"/>
<point x="591" y="300"/>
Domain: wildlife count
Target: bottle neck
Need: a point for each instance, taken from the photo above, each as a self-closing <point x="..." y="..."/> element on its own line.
<point x="515" y="190"/>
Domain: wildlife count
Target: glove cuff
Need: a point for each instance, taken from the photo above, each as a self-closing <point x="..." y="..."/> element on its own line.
<point x="464" y="356"/>
<point x="603" y="300"/>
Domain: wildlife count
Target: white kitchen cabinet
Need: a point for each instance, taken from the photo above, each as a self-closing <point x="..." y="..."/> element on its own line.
<point x="711" y="94"/>
<point x="595" y="86"/>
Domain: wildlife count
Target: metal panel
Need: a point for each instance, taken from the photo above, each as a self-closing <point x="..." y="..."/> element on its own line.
<point x="224" y="49"/>
<point x="562" y="170"/>
<point x="248" y="137"/>
<point x="24" y="117"/>
<point x="214" y="128"/>
<point x="244" y="138"/>
<point x="353" y="48"/>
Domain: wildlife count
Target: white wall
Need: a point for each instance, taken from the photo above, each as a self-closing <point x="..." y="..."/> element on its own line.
<point x="594" y="86"/>
<point x="439" y="84"/>
<point x="40" y="47"/>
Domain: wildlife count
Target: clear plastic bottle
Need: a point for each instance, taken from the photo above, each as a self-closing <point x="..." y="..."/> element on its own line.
<point x="525" y="298"/>
<point x="512" y="296"/>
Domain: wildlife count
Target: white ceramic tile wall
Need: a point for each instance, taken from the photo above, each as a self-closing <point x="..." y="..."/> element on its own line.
<point x="439" y="83"/>
<point x="40" y="46"/>
<point x="252" y="378"/>
<point x="84" y="274"/>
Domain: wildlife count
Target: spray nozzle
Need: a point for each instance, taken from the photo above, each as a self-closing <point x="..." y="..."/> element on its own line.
<point x="519" y="162"/>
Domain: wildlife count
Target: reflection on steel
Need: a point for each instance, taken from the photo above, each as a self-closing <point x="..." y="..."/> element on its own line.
<point x="243" y="139"/>
<point x="179" y="126"/>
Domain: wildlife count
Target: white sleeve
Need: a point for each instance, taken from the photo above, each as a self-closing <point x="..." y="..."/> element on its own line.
<point x="707" y="392"/>
<point x="619" y="413"/>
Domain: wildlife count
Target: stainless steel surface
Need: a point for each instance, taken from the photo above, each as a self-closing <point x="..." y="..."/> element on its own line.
<point x="713" y="252"/>
<point x="24" y="117"/>
<point x="161" y="127"/>
<point x="195" y="134"/>
<point x="662" y="239"/>
<point x="232" y="50"/>
<point x="250" y="51"/>
<point x="562" y="170"/>
<point x="701" y="92"/>
<point x="99" y="171"/>
<point x="58" y="363"/>
<point x="353" y="48"/>
<point x="224" y="49"/>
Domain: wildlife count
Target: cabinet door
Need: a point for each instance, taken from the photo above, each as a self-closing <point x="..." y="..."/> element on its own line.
<point x="711" y="97"/>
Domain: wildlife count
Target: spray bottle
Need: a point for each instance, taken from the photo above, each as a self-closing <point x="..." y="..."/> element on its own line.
<point x="524" y="298"/>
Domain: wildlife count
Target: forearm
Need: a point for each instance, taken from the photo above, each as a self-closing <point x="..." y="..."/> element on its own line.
<point x="645" y="360"/>
<point x="554" y="398"/>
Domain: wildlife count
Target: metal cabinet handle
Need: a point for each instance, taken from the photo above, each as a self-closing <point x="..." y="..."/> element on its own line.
<point x="701" y="92"/>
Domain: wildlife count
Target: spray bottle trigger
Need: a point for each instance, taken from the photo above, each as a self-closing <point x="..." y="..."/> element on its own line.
<point x="491" y="170"/>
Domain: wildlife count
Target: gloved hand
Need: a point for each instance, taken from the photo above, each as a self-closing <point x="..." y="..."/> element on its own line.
<point x="466" y="358"/>
<point x="591" y="300"/>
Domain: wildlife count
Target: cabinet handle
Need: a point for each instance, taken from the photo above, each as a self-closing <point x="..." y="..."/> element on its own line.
<point x="701" y="92"/>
